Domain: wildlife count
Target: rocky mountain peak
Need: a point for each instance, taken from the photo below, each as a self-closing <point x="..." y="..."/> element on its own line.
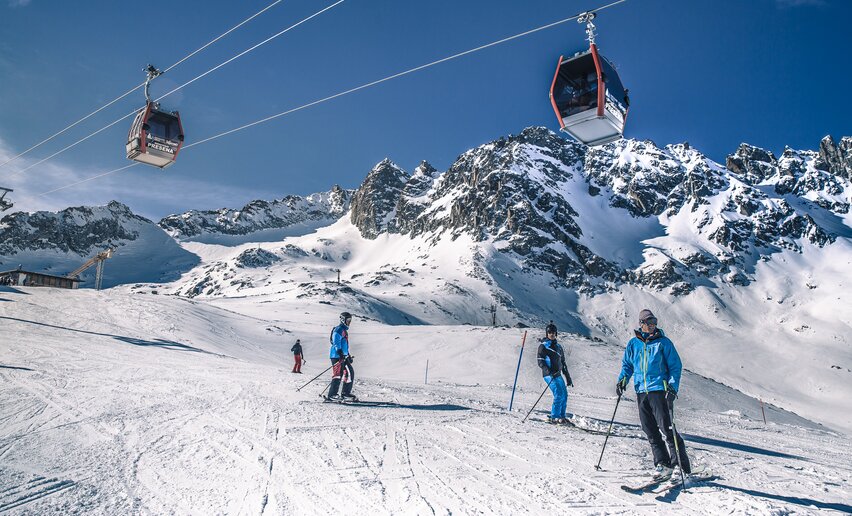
<point x="425" y="169"/>
<point x="79" y="230"/>
<point x="753" y="164"/>
<point x="283" y="216"/>
<point x="374" y="202"/>
<point x="641" y="175"/>
<point x="836" y="158"/>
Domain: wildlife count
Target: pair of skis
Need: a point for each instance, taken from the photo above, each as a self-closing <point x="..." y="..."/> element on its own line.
<point x="665" y="484"/>
<point x="571" y="424"/>
<point x="359" y="403"/>
<point x="339" y="399"/>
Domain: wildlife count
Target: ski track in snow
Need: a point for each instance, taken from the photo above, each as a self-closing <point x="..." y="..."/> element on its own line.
<point x="124" y="405"/>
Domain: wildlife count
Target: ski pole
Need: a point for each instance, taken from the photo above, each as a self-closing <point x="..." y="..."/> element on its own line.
<point x="677" y="448"/>
<point x="518" y="370"/>
<point x="314" y="378"/>
<point x="611" y="421"/>
<point x="539" y="399"/>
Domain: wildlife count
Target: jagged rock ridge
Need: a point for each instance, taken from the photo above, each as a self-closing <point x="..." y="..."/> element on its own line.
<point x="316" y="209"/>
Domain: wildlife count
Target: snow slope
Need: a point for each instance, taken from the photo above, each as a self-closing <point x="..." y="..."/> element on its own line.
<point x="119" y="402"/>
<point x="784" y="338"/>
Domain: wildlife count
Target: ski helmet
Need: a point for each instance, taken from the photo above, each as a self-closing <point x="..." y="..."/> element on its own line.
<point x="344" y="317"/>
<point x="551" y="328"/>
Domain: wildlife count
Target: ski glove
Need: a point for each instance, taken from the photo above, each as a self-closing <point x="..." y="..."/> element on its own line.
<point x="671" y="394"/>
<point x="620" y="386"/>
<point x="349" y="359"/>
<point x="568" y="381"/>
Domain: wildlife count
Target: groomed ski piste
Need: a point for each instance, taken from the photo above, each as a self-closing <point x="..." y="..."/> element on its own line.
<point x="122" y="402"/>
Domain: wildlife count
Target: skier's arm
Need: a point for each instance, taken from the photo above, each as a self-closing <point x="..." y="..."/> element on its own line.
<point x="626" y="365"/>
<point x="673" y="364"/>
<point x="339" y="343"/>
<point x="344" y="345"/>
<point x="543" y="361"/>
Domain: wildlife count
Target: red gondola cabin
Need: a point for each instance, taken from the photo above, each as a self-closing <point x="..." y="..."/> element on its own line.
<point x="588" y="98"/>
<point x="155" y="136"/>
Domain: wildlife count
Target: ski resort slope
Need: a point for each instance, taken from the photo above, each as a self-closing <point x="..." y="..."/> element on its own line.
<point x="783" y="339"/>
<point x="116" y="402"/>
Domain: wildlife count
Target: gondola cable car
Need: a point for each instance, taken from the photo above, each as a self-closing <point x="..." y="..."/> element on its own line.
<point x="156" y="135"/>
<point x="5" y="204"/>
<point x="590" y="102"/>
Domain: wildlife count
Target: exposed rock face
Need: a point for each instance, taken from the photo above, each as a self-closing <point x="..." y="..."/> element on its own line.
<point x="516" y="192"/>
<point x="641" y="186"/>
<point x="58" y="243"/>
<point x="374" y="202"/>
<point x="836" y="158"/>
<point x="79" y="230"/>
<point x="254" y="258"/>
<point x="321" y="208"/>
<point x="752" y="164"/>
<point x="510" y="191"/>
<point x="414" y="198"/>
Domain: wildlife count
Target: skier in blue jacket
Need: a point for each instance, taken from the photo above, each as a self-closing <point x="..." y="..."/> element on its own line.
<point x="652" y="360"/>
<point x="551" y="360"/>
<point x="341" y="361"/>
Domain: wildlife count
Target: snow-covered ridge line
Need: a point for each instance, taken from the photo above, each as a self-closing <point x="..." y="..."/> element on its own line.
<point x="292" y="211"/>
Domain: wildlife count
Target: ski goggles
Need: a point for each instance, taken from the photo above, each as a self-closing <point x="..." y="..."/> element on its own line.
<point x="650" y="321"/>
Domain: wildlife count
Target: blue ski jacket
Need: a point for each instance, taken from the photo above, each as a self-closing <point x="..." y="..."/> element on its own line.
<point x="339" y="341"/>
<point x="653" y="362"/>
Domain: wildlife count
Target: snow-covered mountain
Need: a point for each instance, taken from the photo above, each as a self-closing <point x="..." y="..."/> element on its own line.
<point x="749" y="257"/>
<point x="262" y="220"/>
<point x="58" y="243"/>
<point x="593" y="219"/>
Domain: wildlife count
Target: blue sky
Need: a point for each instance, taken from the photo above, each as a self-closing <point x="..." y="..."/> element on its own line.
<point x="714" y="73"/>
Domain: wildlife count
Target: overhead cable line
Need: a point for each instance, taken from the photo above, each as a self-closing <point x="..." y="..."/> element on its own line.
<point x="89" y="179"/>
<point x="357" y="88"/>
<point x="394" y="76"/>
<point x="128" y="92"/>
<point x="220" y="65"/>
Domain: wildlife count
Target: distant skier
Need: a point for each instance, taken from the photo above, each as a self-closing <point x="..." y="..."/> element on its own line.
<point x="341" y="361"/>
<point x="651" y="358"/>
<point x="298" y="356"/>
<point x="551" y="360"/>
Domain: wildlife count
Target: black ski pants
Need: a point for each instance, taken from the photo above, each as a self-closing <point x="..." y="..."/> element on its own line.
<point x="656" y="422"/>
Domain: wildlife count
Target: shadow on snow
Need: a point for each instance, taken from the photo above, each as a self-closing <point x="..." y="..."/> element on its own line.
<point x="16" y="367"/>
<point x="410" y="406"/>
<point x="159" y="343"/>
<point x="672" y="495"/>
<point x="740" y="447"/>
<point x="805" y="502"/>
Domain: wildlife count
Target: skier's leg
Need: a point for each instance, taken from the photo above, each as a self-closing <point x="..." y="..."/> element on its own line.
<point x="652" y="430"/>
<point x="348" y="379"/>
<point x="562" y="395"/>
<point x="295" y="363"/>
<point x="337" y="373"/>
<point x="554" y="407"/>
<point x="664" y="420"/>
